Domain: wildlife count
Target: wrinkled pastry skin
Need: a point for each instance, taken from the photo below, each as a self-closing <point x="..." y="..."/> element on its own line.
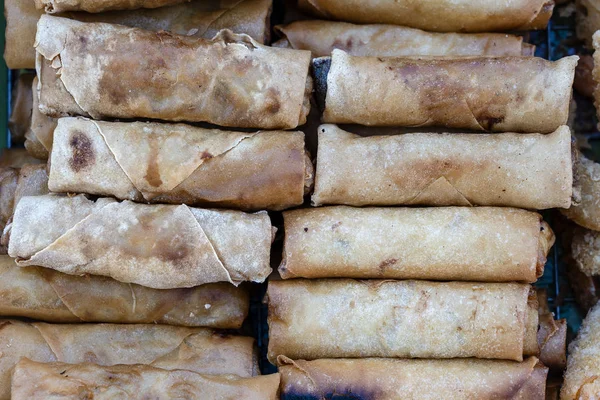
<point x="95" y="6"/>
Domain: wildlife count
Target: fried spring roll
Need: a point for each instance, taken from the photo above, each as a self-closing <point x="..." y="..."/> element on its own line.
<point x="322" y="37"/>
<point x="527" y="171"/>
<point x="586" y="213"/>
<point x="198" y="18"/>
<point x="93" y="69"/>
<point x="585" y="249"/>
<point x="596" y="71"/>
<point x="47" y="295"/>
<point x="22" y="104"/>
<point x="384" y="379"/>
<point x="9" y="178"/>
<point x="343" y="318"/>
<point x="39" y="138"/>
<point x="157" y="246"/>
<point x="588" y="20"/>
<point x="16" y="158"/>
<point x="438" y="15"/>
<point x="33" y="380"/>
<point x="552" y="335"/>
<point x="162" y="346"/>
<point x="582" y="378"/>
<point x="166" y="163"/>
<point x="502" y="94"/>
<point x="96" y="6"/>
<point x="467" y="244"/>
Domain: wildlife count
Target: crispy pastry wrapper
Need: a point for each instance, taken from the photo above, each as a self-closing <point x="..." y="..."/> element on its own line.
<point x="33" y="380"/>
<point x="322" y="37"/>
<point x="39" y="138"/>
<point x="384" y="379"/>
<point x="47" y="295"/>
<point x="96" y="6"/>
<point x="552" y="335"/>
<point x="169" y="347"/>
<point x="438" y="15"/>
<point x="453" y="243"/>
<point x="585" y="249"/>
<point x="22" y="103"/>
<point x="167" y="163"/>
<point x="344" y="318"/>
<point x="198" y="18"/>
<point x="586" y="212"/>
<point x="527" y="171"/>
<point x="503" y="94"/>
<point x="93" y="69"/>
<point x="9" y="178"/>
<point x="157" y="246"/>
<point x="588" y="20"/>
<point x="582" y="378"/>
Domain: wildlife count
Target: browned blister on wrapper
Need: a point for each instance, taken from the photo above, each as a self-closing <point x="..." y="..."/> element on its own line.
<point x="158" y="246"/>
<point x="384" y="379"/>
<point x="110" y="71"/>
<point x="167" y="163"/>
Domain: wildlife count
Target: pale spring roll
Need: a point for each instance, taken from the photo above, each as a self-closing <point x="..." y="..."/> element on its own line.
<point x="22" y="104"/>
<point x="385" y="379"/>
<point x="455" y="243"/>
<point x="343" y="318"/>
<point x="95" y="6"/>
<point x="322" y="37"/>
<point x="502" y="94"/>
<point x="158" y="246"/>
<point x="585" y="249"/>
<point x="47" y="295"/>
<point x="39" y="138"/>
<point x="162" y="346"/>
<point x="527" y="171"/>
<point x="198" y="18"/>
<point x="104" y="70"/>
<point x="167" y="163"/>
<point x="552" y="335"/>
<point x="582" y="378"/>
<point x="438" y="15"/>
<point x="33" y="380"/>
<point x="586" y="174"/>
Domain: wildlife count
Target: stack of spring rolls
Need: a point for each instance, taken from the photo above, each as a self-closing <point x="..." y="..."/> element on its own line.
<point x="383" y="301"/>
<point x="170" y="130"/>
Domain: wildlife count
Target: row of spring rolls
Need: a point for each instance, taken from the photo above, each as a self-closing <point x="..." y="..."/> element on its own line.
<point x="268" y="87"/>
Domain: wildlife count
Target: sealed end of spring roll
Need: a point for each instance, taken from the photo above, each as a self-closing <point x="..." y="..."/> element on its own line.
<point x="39" y="138"/>
<point x="8" y="186"/>
<point x="552" y="335"/>
<point x="109" y="382"/>
<point x="582" y="378"/>
<point x="158" y="246"/>
<point x="169" y="347"/>
<point x="384" y="379"/>
<point x="47" y="295"/>
<point x="322" y="37"/>
<point x="343" y="318"/>
<point x="586" y="213"/>
<point x="438" y="15"/>
<point x="103" y="70"/>
<point x="531" y="171"/>
<point x="166" y="163"/>
<point x="455" y="243"/>
<point x="95" y="6"/>
<point x="502" y="94"/>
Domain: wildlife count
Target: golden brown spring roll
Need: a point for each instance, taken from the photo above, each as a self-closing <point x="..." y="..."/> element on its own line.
<point x="588" y="19"/>
<point x="96" y="6"/>
<point x="527" y="171"/>
<point x="47" y="295"/>
<point x="22" y="104"/>
<point x="385" y="379"/>
<point x="39" y="138"/>
<point x="585" y="250"/>
<point x="162" y="346"/>
<point x="167" y="163"/>
<point x="343" y="318"/>
<point x="198" y="18"/>
<point x="33" y="380"/>
<point x="502" y="94"/>
<point x="582" y="378"/>
<point x="552" y="335"/>
<point x="321" y="37"/>
<point x="157" y="246"/>
<point x="454" y="243"/>
<point x="94" y="70"/>
<point x="586" y="174"/>
<point x="438" y="15"/>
